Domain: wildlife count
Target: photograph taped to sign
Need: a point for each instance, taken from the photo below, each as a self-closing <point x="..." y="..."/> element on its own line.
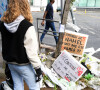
<point x="74" y="43"/>
<point x="68" y="67"/>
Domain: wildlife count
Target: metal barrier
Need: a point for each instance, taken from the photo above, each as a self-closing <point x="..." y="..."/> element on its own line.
<point x="46" y="46"/>
<point x="40" y="30"/>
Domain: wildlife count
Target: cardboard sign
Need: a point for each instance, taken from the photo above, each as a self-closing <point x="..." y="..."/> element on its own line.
<point x="68" y="67"/>
<point x="74" y="42"/>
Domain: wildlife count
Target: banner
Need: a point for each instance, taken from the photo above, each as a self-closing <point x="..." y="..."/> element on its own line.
<point x="3" y="7"/>
<point x="74" y="42"/>
<point x="68" y="67"/>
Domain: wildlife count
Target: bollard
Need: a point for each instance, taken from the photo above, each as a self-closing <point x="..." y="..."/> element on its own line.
<point x="85" y="11"/>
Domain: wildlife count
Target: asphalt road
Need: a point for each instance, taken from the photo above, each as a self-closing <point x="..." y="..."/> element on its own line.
<point x="88" y="22"/>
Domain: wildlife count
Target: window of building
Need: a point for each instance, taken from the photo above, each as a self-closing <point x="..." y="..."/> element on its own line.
<point x="31" y="2"/>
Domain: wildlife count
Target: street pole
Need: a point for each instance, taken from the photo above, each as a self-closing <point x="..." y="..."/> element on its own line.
<point x="61" y="7"/>
<point x="87" y="4"/>
<point x="72" y="15"/>
<point x="63" y="22"/>
<point x="95" y="4"/>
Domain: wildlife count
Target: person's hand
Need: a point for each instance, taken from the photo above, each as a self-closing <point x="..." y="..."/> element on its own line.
<point x="38" y="74"/>
<point x="42" y="23"/>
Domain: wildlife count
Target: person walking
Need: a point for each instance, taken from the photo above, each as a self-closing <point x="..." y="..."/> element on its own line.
<point x="48" y="14"/>
<point x="20" y="45"/>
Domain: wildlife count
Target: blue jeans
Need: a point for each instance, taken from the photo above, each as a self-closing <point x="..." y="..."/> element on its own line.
<point x="24" y="72"/>
<point x="47" y="26"/>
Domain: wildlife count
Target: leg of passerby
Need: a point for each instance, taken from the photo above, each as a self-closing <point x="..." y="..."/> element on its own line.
<point x="28" y="75"/>
<point x="44" y="32"/>
<point x="54" y="31"/>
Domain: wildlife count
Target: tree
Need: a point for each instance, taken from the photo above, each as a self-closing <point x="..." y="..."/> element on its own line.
<point x="67" y="6"/>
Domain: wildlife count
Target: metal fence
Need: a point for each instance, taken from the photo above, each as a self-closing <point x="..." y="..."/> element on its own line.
<point x="40" y="30"/>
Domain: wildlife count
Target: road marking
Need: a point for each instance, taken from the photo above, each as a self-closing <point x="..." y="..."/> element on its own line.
<point x="87" y="29"/>
<point x="90" y="28"/>
<point x="92" y="32"/>
<point x="88" y="15"/>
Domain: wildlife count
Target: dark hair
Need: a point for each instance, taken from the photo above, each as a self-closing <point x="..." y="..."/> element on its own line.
<point x="51" y="0"/>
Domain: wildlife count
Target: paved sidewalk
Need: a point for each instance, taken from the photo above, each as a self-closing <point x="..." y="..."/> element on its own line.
<point x="2" y="75"/>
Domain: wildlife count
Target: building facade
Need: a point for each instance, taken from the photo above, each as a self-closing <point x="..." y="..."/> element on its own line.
<point x="38" y="5"/>
<point x="88" y="3"/>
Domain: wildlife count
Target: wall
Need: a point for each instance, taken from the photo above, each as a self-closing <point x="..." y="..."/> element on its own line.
<point x="38" y="4"/>
<point x="87" y="3"/>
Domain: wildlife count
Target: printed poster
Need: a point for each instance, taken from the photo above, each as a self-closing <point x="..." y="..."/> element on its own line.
<point x="3" y="7"/>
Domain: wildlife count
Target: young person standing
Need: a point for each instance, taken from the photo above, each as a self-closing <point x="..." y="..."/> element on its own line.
<point x="20" y="46"/>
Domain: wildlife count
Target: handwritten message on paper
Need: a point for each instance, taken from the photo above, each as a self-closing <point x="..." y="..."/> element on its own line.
<point x="62" y="28"/>
<point x="68" y="67"/>
<point x="74" y="42"/>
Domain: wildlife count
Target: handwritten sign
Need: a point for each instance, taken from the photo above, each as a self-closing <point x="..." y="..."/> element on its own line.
<point x="68" y="67"/>
<point x="74" y="42"/>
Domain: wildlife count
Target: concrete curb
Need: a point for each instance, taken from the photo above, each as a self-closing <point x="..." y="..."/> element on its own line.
<point x="87" y="8"/>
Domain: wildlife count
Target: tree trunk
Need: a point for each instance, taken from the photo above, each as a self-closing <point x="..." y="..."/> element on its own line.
<point x="63" y="22"/>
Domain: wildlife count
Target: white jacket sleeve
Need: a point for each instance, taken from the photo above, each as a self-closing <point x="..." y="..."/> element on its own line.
<point x="32" y="47"/>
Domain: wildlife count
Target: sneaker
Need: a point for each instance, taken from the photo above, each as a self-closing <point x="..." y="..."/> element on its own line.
<point x="4" y="86"/>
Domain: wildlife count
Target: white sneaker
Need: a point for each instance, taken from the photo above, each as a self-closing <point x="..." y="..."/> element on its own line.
<point x="5" y="86"/>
